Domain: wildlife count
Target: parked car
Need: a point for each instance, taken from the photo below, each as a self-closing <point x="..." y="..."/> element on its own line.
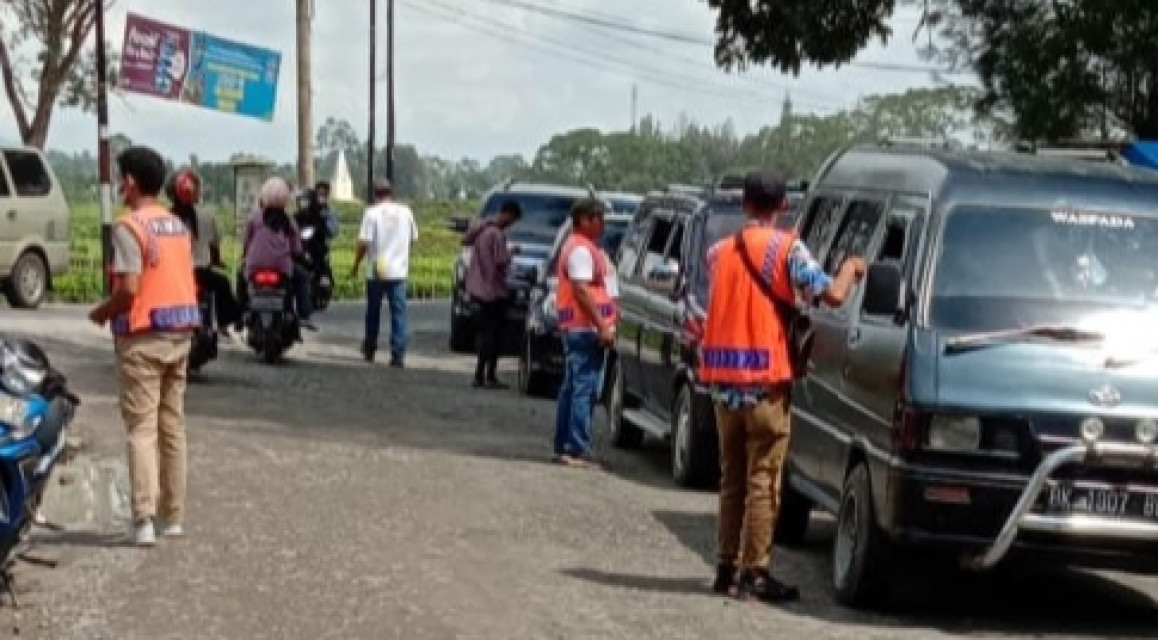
<point x="663" y="297"/>
<point x="989" y="388"/>
<point x="545" y="209"/>
<point x="34" y="227"/>
<point x="541" y="358"/>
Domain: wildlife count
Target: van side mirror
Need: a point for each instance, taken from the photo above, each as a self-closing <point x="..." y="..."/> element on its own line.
<point x="662" y="278"/>
<point x="884" y="289"/>
<point x="459" y="224"/>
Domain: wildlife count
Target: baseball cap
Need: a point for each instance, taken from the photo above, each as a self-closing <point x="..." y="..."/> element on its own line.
<point x="764" y="190"/>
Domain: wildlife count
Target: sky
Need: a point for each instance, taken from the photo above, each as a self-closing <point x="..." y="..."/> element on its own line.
<point x="478" y="78"/>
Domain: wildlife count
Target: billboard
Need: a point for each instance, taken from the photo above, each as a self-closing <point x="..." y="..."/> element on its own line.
<point x="196" y="68"/>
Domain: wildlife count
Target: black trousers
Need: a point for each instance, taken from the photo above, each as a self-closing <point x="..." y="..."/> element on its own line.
<point x="489" y="324"/>
<point x="228" y="311"/>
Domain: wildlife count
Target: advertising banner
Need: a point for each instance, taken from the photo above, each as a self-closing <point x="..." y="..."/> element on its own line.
<point x="194" y="67"/>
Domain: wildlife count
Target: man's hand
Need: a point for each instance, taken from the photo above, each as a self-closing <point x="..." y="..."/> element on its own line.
<point x="98" y="315"/>
<point x="607" y="336"/>
<point x="857" y="265"/>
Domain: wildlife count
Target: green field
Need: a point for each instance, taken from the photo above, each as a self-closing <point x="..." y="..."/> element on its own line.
<point x="430" y="266"/>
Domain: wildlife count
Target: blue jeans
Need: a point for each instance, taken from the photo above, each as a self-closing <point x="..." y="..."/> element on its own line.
<point x="395" y="293"/>
<point x="578" y="393"/>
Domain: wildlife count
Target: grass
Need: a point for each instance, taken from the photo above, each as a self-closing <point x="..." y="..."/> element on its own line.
<point x="430" y="263"/>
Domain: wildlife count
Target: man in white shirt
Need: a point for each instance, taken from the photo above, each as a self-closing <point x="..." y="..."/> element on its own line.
<point x="387" y="233"/>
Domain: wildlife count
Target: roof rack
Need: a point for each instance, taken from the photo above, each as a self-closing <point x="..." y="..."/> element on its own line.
<point x="928" y="143"/>
<point x="1092" y="150"/>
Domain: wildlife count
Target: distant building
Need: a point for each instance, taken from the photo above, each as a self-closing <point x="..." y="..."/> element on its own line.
<point x="342" y="186"/>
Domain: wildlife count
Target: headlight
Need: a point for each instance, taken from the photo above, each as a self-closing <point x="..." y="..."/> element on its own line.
<point x="21" y="371"/>
<point x="14" y="416"/>
<point x="954" y="433"/>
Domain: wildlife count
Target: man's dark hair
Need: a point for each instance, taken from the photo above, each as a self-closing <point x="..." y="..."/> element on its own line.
<point x="512" y="207"/>
<point x="765" y="192"/>
<point x="586" y="209"/>
<point x="322" y="184"/>
<point x="145" y="167"/>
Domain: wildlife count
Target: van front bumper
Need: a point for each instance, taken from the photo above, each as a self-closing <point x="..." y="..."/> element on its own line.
<point x="998" y="513"/>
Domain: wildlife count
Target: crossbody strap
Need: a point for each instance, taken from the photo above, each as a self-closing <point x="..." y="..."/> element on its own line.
<point x="786" y="312"/>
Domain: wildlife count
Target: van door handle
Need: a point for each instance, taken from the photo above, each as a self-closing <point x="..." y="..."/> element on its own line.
<point x="12" y="214"/>
<point x="853" y="336"/>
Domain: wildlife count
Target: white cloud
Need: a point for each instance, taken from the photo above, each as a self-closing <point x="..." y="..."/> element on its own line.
<point x="479" y="79"/>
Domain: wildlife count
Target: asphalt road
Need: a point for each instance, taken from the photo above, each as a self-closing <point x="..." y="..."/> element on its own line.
<point x="333" y="499"/>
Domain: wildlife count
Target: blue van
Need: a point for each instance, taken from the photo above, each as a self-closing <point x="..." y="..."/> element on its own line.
<point x="992" y="385"/>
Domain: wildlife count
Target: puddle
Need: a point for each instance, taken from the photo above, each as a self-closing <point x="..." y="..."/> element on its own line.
<point x="88" y="493"/>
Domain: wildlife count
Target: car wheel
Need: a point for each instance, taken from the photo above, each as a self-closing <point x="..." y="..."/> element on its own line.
<point x="624" y="435"/>
<point x="695" y="459"/>
<point x="461" y="336"/>
<point x="531" y="383"/>
<point x="793" y="516"/>
<point x="860" y="553"/>
<point x="28" y="283"/>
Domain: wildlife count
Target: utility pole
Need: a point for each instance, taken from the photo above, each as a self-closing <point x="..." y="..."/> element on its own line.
<point x="634" y="107"/>
<point x="305" y="98"/>
<point x="373" y="91"/>
<point x="104" y="151"/>
<point x="390" y="90"/>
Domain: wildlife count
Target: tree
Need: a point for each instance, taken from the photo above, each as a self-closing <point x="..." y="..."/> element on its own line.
<point x="55" y="32"/>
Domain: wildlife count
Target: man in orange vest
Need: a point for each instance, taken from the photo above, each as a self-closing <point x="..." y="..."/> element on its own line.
<point x="587" y="310"/>
<point x="745" y="361"/>
<point x="153" y="312"/>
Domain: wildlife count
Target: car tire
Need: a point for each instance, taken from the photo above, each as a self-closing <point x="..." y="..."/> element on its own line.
<point x="532" y="383"/>
<point x="27" y="285"/>
<point x="695" y="448"/>
<point x="793" y="517"/>
<point x="860" y="553"/>
<point x="461" y="335"/>
<point x="624" y="435"/>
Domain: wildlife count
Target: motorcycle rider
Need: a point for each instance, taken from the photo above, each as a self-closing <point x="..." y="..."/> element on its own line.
<point x="311" y="215"/>
<point x="184" y="192"/>
<point x="322" y="189"/>
<point x="271" y="241"/>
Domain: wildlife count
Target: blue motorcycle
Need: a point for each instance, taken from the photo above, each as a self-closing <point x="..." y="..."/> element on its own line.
<point x="36" y="409"/>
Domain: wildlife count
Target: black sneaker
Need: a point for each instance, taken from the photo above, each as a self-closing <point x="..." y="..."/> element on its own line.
<point x="758" y="586"/>
<point x="725" y="579"/>
<point x="478" y="384"/>
<point x="397" y="363"/>
<point x="367" y="353"/>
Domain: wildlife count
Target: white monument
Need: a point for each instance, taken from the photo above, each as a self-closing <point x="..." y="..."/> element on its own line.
<point x="342" y="188"/>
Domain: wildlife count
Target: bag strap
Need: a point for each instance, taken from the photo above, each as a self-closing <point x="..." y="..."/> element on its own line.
<point x="786" y="312"/>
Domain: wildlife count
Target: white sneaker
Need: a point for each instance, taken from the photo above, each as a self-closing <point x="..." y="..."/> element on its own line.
<point x="170" y="530"/>
<point x="144" y="535"/>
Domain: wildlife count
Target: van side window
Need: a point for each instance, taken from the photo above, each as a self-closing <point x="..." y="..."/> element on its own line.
<point x="856" y="232"/>
<point x="661" y="230"/>
<point x="893" y="248"/>
<point x="4" y="192"/>
<point x="629" y="251"/>
<point x="820" y="223"/>
<point x="28" y="173"/>
<point x="676" y="246"/>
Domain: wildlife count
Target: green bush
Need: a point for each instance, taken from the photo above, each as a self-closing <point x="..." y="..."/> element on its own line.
<point x="430" y="264"/>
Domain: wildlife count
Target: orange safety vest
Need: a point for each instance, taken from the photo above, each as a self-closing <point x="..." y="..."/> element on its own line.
<point x="167" y="298"/>
<point x="745" y="341"/>
<point x="572" y="317"/>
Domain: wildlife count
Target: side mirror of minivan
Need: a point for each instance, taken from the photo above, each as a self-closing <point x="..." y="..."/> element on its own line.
<point x="662" y="278"/>
<point x="884" y="289"/>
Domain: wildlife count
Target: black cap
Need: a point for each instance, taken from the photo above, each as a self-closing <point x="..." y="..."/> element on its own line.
<point x="764" y="191"/>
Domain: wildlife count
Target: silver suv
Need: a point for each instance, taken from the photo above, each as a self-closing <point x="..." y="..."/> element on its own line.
<point x="34" y="226"/>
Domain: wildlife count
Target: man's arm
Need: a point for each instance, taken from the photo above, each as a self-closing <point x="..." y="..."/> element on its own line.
<point x="365" y="237"/>
<point x="128" y="262"/>
<point x="808" y="275"/>
<point x="581" y="271"/>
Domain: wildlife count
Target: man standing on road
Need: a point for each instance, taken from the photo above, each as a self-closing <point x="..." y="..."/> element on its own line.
<point x="153" y="311"/>
<point x="322" y="189"/>
<point x="486" y="283"/>
<point x="587" y="311"/>
<point x="387" y="233"/>
<point x="745" y="360"/>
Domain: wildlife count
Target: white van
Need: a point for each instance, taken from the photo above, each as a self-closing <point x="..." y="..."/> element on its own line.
<point x="34" y="226"/>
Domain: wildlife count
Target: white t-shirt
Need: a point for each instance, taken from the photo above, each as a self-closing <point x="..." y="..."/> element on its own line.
<point x="581" y="268"/>
<point x="389" y="229"/>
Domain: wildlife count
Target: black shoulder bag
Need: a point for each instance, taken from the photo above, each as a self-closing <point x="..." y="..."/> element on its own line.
<point x="797" y="325"/>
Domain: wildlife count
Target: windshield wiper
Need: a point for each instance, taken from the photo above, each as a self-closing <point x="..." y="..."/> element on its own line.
<point x="1057" y="333"/>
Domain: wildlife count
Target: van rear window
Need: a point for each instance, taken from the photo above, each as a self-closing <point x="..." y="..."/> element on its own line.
<point x="1012" y="268"/>
<point x="28" y="173"/>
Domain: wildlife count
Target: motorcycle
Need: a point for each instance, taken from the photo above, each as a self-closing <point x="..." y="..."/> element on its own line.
<point x="36" y="409"/>
<point x="271" y="325"/>
<point x="204" y="346"/>
<point x="321" y="276"/>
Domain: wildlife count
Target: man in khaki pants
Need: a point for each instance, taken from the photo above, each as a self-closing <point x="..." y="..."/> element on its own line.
<point x="153" y="310"/>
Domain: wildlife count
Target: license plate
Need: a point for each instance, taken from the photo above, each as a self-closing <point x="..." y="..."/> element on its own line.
<point x="269" y="303"/>
<point x="1099" y="500"/>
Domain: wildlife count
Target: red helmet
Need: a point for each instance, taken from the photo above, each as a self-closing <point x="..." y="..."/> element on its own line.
<point x="185" y="187"/>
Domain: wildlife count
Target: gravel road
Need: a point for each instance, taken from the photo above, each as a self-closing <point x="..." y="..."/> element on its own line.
<point x="333" y="499"/>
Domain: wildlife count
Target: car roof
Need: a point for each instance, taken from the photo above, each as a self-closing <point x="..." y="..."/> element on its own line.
<point x="535" y="188"/>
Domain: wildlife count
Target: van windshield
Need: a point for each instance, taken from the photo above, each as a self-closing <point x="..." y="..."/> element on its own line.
<point x="1013" y="268"/>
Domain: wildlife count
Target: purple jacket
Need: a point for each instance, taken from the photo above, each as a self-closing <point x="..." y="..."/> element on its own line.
<point x="486" y="277"/>
<point x="265" y="248"/>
